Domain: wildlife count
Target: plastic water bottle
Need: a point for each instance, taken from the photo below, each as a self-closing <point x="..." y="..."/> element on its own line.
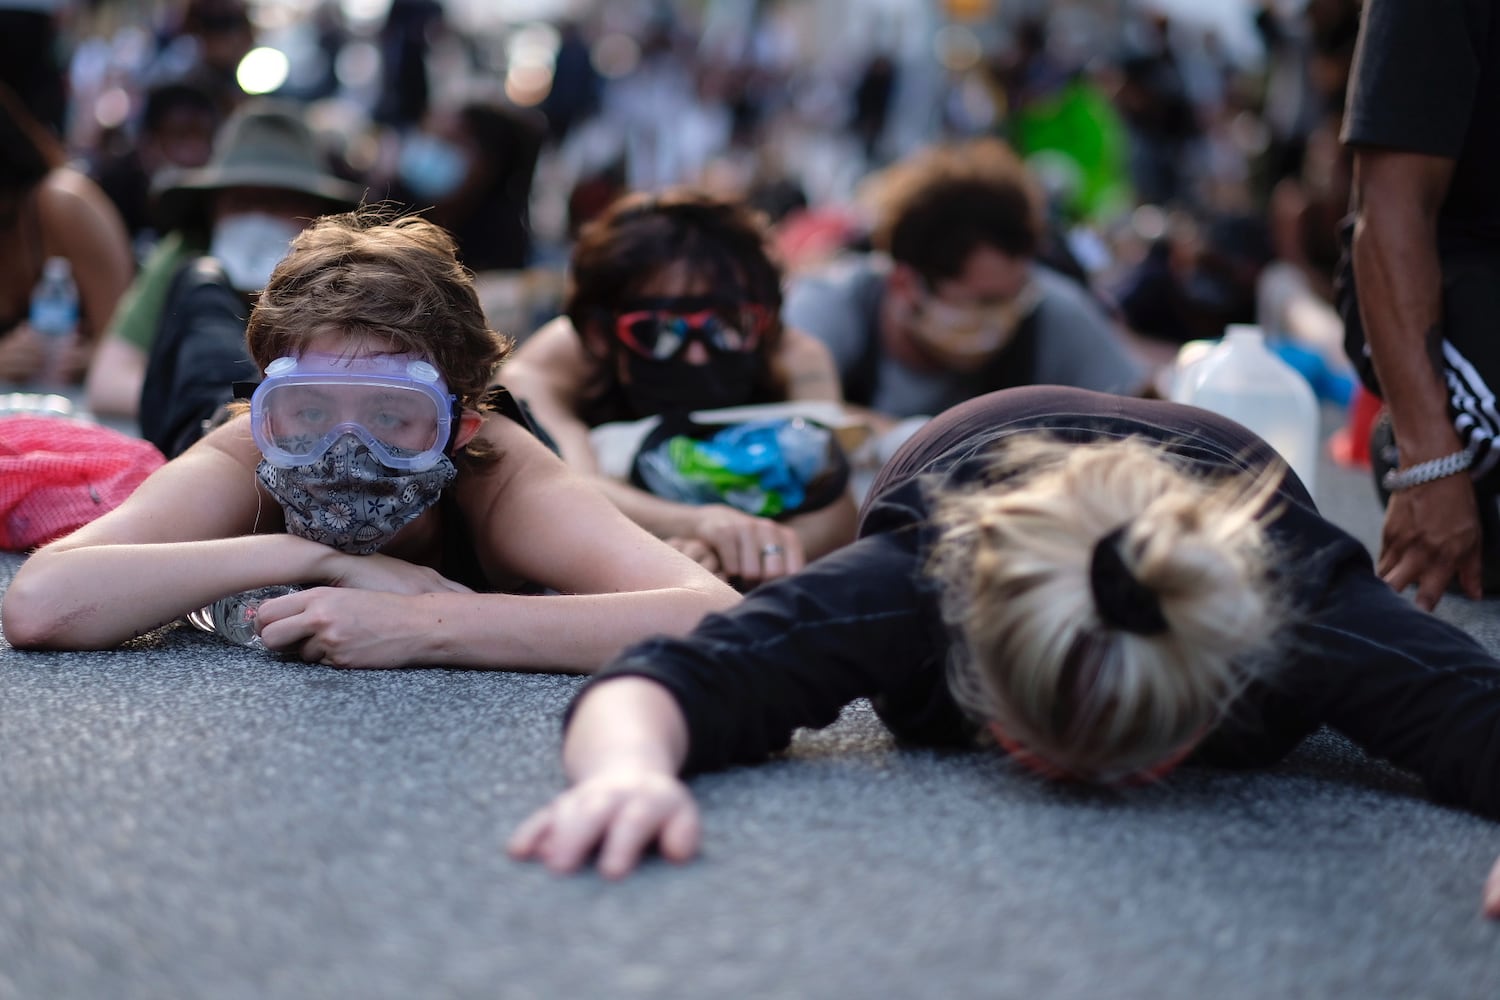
<point x="1242" y="379"/>
<point x="54" y="315"/>
<point x="233" y="617"/>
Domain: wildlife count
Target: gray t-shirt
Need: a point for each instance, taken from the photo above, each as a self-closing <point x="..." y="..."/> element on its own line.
<point x="1075" y="344"/>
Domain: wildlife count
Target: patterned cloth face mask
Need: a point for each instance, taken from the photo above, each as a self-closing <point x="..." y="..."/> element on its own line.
<point x="348" y="499"/>
<point x="354" y="447"/>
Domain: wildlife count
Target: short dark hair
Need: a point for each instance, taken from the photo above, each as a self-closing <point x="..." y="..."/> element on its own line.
<point x="637" y="237"/>
<point x="165" y="98"/>
<point x="28" y="151"/>
<point x="641" y="235"/>
<point x="935" y="209"/>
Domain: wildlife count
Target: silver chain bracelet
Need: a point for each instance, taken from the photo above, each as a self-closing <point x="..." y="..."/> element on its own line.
<point x="1397" y="480"/>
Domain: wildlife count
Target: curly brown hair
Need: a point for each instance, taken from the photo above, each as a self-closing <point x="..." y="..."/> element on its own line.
<point x="937" y="208"/>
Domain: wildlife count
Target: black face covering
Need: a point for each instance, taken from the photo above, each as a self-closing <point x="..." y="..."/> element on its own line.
<point x="674" y="385"/>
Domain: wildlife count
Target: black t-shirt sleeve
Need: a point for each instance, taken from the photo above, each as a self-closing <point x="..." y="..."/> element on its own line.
<point x="1415" y="77"/>
<point x="1405" y="685"/>
<point x="792" y="654"/>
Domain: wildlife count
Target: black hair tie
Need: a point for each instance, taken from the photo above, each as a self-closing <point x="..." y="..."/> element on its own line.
<point x="1122" y="601"/>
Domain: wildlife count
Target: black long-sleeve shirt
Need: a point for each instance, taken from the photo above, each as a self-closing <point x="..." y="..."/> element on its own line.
<point x="864" y="621"/>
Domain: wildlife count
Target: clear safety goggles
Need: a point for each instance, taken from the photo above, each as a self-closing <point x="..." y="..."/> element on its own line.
<point x="397" y="404"/>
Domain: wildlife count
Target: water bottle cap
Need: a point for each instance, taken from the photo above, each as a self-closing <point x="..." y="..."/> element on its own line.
<point x="57" y="267"/>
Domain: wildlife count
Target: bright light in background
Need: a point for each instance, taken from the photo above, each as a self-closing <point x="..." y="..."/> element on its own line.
<point x="111" y="108"/>
<point x="616" y="55"/>
<point x="531" y="59"/>
<point x="534" y="43"/>
<point x="262" y="70"/>
<point x="528" y="85"/>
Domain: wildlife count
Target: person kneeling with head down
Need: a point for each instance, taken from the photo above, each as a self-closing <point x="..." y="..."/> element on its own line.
<point x="1101" y="587"/>
<point x="376" y="470"/>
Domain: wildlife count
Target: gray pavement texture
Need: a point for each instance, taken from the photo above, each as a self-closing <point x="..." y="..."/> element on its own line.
<point x="181" y="818"/>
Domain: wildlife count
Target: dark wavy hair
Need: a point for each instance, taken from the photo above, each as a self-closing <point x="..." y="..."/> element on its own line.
<point x="639" y="236"/>
<point x="937" y="208"/>
<point x="28" y="152"/>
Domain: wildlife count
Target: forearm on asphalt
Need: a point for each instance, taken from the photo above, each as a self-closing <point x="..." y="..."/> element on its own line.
<point x="627" y="720"/>
<point x="97" y="596"/>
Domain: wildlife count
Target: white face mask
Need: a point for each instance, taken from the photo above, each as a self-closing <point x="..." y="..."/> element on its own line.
<point x="249" y="245"/>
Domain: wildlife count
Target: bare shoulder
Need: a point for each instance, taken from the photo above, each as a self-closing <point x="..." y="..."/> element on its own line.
<point x="555" y="345"/>
<point x="68" y="197"/>
<point x="234" y="442"/>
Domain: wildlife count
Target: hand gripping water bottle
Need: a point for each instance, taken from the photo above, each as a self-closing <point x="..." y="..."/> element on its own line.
<point x="54" y="315"/>
<point x="1241" y="378"/>
<point x="233" y="617"/>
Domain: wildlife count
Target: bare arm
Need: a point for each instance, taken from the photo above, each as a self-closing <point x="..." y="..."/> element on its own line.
<point x="182" y="539"/>
<point x="85" y="227"/>
<point x="1431" y="532"/>
<point x="821" y="531"/>
<point x="549" y="371"/>
<point x="115" y="376"/>
<point x="624" y="746"/>
<point x="807" y="368"/>
<point x="531" y="517"/>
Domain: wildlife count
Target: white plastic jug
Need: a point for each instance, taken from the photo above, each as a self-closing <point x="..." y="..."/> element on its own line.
<point x="1241" y="379"/>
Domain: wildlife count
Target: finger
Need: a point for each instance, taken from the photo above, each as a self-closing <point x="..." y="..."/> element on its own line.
<point x="1431" y="586"/>
<point x="760" y="551"/>
<point x="634" y="828"/>
<point x="796" y="558"/>
<point x="705" y="556"/>
<point x="277" y="609"/>
<point x="733" y="551"/>
<point x="681" y="833"/>
<point x="525" y="842"/>
<point x="1470" y="576"/>
<point x="1492" y="893"/>
<point x="579" y="825"/>
<point x="772" y="557"/>
<point x="286" y="634"/>
<point x="313" y="651"/>
<point x="1402" y="575"/>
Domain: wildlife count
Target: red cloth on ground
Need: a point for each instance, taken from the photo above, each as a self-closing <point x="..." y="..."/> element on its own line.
<point x="58" y="474"/>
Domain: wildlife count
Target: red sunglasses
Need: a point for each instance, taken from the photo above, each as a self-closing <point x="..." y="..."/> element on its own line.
<point x="660" y="333"/>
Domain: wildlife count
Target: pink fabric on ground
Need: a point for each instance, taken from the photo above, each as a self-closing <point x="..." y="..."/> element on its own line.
<point x="58" y="474"/>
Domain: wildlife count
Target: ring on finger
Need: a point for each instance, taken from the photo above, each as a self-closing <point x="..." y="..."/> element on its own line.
<point x="771" y="549"/>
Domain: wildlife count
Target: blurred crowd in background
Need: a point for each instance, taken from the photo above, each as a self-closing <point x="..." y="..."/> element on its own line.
<point x="1188" y="168"/>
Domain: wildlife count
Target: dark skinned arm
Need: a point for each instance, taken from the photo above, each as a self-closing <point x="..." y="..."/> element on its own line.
<point x="1431" y="533"/>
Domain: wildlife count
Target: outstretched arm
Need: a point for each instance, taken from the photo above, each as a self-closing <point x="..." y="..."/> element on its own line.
<point x="625" y="744"/>
<point x="791" y="655"/>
